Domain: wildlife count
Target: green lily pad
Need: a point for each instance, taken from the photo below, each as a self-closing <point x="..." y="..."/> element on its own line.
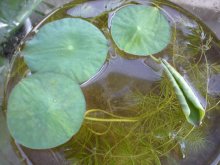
<point x="140" y="30"/>
<point x="45" y="110"/>
<point x="68" y="46"/>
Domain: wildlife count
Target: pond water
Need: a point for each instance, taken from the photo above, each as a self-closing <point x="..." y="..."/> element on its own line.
<point x="132" y="86"/>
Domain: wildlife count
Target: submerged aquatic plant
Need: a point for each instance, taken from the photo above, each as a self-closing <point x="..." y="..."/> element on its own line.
<point x="141" y="142"/>
<point x="77" y="52"/>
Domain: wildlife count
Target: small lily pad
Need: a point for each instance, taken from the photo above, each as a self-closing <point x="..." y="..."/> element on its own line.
<point x="68" y="46"/>
<point x="140" y="30"/>
<point x="45" y="110"/>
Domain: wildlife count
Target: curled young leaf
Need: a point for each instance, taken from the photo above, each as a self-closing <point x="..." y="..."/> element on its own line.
<point x="190" y="104"/>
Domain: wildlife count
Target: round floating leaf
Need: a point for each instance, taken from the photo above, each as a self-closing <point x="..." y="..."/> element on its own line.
<point x="45" y="110"/>
<point x="140" y="30"/>
<point x="69" y="46"/>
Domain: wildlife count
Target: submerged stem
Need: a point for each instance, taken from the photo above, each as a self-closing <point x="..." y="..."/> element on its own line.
<point x="110" y="120"/>
<point x="115" y="118"/>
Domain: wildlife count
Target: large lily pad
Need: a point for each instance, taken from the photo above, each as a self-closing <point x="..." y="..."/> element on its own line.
<point x="45" y="110"/>
<point x="69" y="46"/>
<point x="140" y="30"/>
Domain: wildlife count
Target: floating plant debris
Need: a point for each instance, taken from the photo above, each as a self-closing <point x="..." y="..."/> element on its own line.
<point x="140" y="30"/>
<point x="39" y="116"/>
<point x="69" y="46"/>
